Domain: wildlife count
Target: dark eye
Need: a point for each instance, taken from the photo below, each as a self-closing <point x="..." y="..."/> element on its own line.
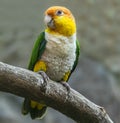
<point x="59" y="12"/>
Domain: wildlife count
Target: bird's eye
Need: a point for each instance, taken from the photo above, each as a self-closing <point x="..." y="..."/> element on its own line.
<point x="59" y="12"/>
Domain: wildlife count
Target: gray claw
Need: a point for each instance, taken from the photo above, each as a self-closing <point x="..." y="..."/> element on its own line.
<point x="67" y="86"/>
<point x="45" y="78"/>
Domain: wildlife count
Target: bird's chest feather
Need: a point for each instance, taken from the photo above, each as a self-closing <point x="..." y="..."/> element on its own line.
<point x="59" y="56"/>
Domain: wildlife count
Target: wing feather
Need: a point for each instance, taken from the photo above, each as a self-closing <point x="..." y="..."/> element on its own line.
<point x="77" y="57"/>
<point x="38" y="50"/>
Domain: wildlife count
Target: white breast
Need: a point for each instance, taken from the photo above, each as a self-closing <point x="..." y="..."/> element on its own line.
<point x="59" y="55"/>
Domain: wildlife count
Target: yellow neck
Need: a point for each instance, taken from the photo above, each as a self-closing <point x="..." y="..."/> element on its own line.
<point x="63" y="26"/>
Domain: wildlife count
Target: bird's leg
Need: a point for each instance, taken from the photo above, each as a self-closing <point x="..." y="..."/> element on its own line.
<point x="45" y="78"/>
<point x="66" y="85"/>
<point x="64" y="81"/>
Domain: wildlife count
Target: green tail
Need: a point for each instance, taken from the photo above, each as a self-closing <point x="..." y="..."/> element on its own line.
<point x="34" y="112"/>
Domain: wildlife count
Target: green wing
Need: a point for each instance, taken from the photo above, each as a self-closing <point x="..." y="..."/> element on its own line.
<point x="77" y="55"/>
<point x="38" y="50"/>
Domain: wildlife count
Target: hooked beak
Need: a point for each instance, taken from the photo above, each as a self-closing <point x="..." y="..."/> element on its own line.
<point x="49" y="21"/>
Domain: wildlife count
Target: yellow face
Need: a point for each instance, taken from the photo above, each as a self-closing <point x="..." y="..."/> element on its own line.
<point x="59" y="20"/>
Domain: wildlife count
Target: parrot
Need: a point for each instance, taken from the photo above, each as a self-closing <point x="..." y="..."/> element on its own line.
<point x="55" y="52"/>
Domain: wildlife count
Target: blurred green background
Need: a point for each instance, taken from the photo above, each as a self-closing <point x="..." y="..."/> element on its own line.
<point x="98" y="71"/>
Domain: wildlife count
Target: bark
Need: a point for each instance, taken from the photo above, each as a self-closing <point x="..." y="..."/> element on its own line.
<point x="31" y="85"/>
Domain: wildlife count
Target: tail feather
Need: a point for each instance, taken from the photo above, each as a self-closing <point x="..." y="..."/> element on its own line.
<point x="39" y="114"/>
<point x="35" y="112"/>
<point x="26" y="107"/>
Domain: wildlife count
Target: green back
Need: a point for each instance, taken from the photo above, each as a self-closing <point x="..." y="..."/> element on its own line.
<point x="37" y="51"/>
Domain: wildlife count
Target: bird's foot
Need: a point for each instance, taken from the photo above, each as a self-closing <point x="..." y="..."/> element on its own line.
<point x="45" y="78"/>
<point x="66" y="85"/>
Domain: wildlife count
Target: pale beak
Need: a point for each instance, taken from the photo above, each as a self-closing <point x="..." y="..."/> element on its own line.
<point x="49" y="21"/>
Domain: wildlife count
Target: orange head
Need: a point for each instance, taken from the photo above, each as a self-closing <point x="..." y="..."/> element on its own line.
<point x="59" y="20"/>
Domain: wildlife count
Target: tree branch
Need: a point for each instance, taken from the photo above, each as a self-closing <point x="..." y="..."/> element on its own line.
<point x="28" y="84"/>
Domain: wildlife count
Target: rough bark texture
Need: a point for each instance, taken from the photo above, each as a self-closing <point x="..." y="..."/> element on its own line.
<point x="28" y="84"/>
